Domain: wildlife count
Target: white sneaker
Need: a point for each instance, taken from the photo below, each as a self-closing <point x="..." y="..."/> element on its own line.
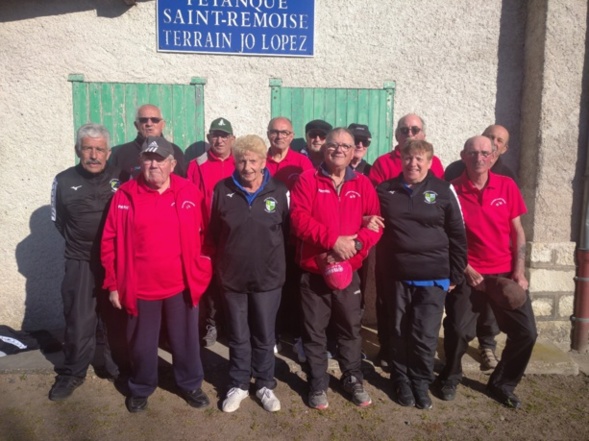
<point x="269" y="400"/>
<point x="298" y="349"/>
<point x="233" y="399"/>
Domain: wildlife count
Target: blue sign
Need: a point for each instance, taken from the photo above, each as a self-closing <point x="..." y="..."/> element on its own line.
<point x="240" y="27"/>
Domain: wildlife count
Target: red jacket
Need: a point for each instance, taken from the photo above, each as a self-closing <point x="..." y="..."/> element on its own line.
<point x="319" y="215"/>
<point x="389" y="166"/>
<point x="206" y="170"/>
<point x="288" y="170"/>
<point x="117" y="246"/>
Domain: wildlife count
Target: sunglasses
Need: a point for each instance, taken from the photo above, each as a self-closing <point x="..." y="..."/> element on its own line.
<point x="365" y="141"/>
<point x="316" y="134"/>
<point x="413" y="129"/>
<point x="145" y="119"/>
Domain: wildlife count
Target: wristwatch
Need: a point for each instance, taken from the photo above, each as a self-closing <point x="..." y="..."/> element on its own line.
<point x="358" y="245"/>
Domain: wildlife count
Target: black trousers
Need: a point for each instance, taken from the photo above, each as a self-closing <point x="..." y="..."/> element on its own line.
<point x="143" y="330"/>
<point x="487" y="327"/>
<point x="383" y="326"/>
<point x="251" y="320"/>
<point x="415" y="313"/>
<point x="80" y="290"/>
<point x="463" y="305"/>
<point x="289" y="317"/>
<point x="344" y="308"/>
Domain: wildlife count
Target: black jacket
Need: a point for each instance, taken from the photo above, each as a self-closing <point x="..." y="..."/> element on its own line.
<point x="424" y="236"/>
<point x="126" y="158"/>
<point x="79" y="202"/>
<point x="249" y="241"/>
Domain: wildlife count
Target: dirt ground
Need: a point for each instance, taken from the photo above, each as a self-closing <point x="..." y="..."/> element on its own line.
<point x="554" y="408"/>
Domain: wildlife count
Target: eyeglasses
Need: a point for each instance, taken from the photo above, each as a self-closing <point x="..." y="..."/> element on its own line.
<point x="335" y="146"/>
<point x="279" y="132"/>
<point x="364" y="141"/>
<point x="145" y="119"/>
<point x="219" y="135"/>
<point x="314" y="134"/>
<point x="413" y="129"/>
<point x="484" y="154"/>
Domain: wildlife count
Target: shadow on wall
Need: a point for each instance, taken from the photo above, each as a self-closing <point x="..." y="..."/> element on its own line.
<point x="580" y="180"/>
<point x="510" y="75"/>
<point x="40" y="260"/>
<point x="14" y="10"/>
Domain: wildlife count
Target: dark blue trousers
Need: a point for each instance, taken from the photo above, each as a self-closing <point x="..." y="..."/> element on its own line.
<point x="143" y="331"/>
<point x="415" y="314"/>
<point x="251" y="321"/>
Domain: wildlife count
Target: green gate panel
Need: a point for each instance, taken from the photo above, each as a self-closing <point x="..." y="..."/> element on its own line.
<point x="114" y="105"/>
<point x="339" y="107"/>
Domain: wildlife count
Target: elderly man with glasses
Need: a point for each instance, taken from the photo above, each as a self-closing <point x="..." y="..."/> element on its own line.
<point x="332" y="217"/>
<point x="148" y="122"/>
<point x="362" y="140"/>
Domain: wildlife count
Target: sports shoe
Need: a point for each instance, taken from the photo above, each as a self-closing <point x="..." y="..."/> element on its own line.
<point x="298" y="349"/>
<point x="404" y="394"/>
<point x="63" y="387"/>
<point x="233" y="399"/>
<point x="447" y="391"/>
<point x="422" y="399"/>
<point x="359" y="396"/>
<point x="210" y="337"/>
<point x="508" y="399"/>
<point x="318" y="400"/>
<point x="488" y="359"/>
<point x="268" y="399"/>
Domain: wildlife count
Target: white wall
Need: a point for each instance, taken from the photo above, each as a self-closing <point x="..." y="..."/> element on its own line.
<point x="456" y="63"/>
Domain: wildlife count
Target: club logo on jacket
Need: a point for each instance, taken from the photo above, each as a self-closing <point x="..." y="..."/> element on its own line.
<point x="430" y="197"/>
<point x="270" y="205"/>
<point x="352" y="194"/>
<point x="188" y="205"/>
<point x="114" y="184"/>
<point x="497" y="202"/>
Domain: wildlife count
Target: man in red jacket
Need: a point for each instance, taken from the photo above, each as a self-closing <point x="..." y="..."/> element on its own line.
<point x="205" y="172"/>
<point x="332" y="208"/>
<point x="151" y="253"/>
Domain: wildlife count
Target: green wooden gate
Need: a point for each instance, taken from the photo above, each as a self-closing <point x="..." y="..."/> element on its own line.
<point x="339" y="107"/>
<point x="114" y="105"/>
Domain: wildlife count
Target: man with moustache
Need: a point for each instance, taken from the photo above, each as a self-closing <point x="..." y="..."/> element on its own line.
<point x="148" y="122"/>
<point x="79" y="198"/>
<point x="315" y="133"/>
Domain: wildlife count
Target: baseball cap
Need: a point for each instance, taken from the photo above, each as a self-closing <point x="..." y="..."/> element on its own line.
<point x="336" y="275"/>
<point x="360" y="131"/>
<point x="318" y="125"/>
<point x="222" y="125"/>
<point x="158" y="145"/>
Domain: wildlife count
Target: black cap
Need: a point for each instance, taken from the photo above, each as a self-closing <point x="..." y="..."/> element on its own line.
<point x="318" y="125"/>
<point x="157" y="145"/>
<point x="360" y="131"/>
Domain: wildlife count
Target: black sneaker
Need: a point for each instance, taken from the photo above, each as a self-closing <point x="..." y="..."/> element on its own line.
<point x="196" y="398"/>
<point x="136" y="404"/>
<point x="404" y="394"/>
<point x="447" y="391"/>
<point x="210" y="337"/>
<point x="422" y="399"/>
<point x="508" y="399"/>
<point x="359" y="396"/>
<point x="63" y="387"/>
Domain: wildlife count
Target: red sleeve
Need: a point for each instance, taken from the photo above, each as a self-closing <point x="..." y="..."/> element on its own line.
<point x="518" y="205"/>
<point x="369" y="238"/>
<point x="108" y="243"/>
<point x="306" y="163"/>
<point x="376" y="173"/>
<point x="303" y="225"/>
<point x="437" y="168"/>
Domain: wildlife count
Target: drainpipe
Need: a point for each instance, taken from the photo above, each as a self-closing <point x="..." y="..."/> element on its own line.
<point x="580" y="317"/>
